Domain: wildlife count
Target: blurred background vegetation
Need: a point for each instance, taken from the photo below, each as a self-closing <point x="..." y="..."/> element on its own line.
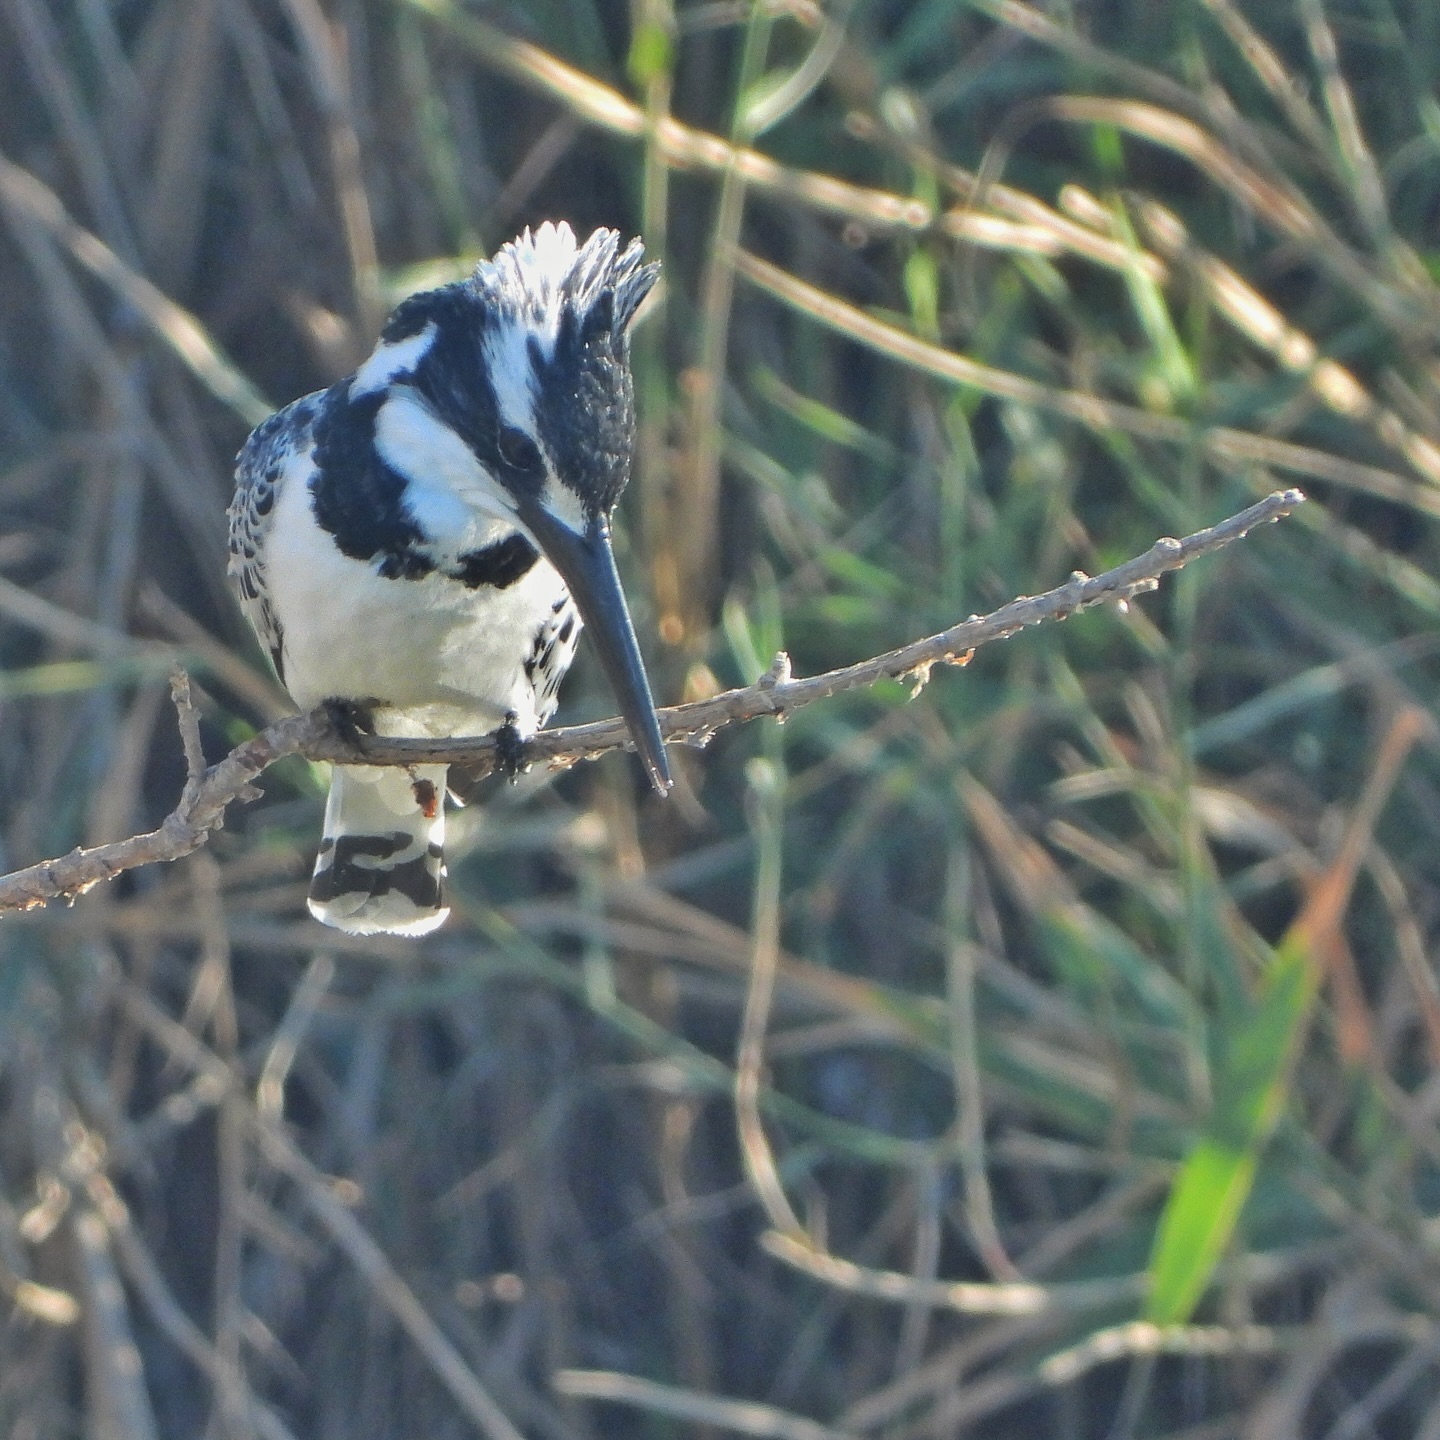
<point x="1052" y="1053"/>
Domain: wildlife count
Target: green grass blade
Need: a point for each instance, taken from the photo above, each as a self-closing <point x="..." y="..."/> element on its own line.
<point x="1215" y="1180"/>
<point x="1195" y="1228"/>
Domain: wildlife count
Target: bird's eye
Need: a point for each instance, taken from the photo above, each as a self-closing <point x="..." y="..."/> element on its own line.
<point x="518" y="450"/>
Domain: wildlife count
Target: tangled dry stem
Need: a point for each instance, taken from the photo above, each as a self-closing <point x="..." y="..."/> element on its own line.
<point x="209" y="792"/>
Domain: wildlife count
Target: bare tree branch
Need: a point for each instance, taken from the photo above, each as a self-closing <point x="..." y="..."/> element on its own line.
<point x="185" y="829"/>
<point x="208" y="794"/>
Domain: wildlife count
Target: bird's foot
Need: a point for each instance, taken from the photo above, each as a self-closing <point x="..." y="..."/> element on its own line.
<point x="509" y="750"/>
<point x="351" y="720"/>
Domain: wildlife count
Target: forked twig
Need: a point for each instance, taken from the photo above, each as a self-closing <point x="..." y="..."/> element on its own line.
<point x="206" y="797"/>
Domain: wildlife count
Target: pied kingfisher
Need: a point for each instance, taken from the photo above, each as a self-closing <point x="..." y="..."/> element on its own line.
<point x="422" y="541"/>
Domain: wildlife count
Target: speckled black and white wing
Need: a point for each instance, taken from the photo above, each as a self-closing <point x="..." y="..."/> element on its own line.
<point x="260" y="471"/>
<point x="551" y="653"/>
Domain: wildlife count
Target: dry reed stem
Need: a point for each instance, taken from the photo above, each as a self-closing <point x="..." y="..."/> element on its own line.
<point x="965" y="1297"/>
<point x="24" y="194"/>
<point x="316" y="1190"/>
<point x="745" y="1417"/>
<point x="681" y="146"/>
<point x="109" y="1240"/>
<point x="1094" y="412"/>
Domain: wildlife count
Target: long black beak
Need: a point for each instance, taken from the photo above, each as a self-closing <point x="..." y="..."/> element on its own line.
<point x="587" y="565"/>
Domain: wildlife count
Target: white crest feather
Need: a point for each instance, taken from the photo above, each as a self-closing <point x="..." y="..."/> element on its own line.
<point x="536" y="262"/>
<point x="527" y="276"/>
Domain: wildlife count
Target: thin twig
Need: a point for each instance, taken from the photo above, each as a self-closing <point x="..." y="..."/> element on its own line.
<point x="184" y="830"/>
<point x="189" y="721"/>
<point x="745" y="1417"/>
<point x="965" y="1297"/>
<point x="1140" y="1337"/>
<point x="203" y="805"/>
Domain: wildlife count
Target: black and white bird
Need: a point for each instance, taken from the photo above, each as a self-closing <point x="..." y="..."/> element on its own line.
<point x="422" y="541"/>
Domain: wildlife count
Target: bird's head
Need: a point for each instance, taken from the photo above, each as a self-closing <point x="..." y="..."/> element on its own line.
<point x="527" y="363"/>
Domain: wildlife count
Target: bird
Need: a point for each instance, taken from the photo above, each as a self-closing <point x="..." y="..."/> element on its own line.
<point x="418" y="546"/>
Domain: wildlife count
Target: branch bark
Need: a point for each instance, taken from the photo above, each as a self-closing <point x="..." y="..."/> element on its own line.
<point x="208" y="793"/>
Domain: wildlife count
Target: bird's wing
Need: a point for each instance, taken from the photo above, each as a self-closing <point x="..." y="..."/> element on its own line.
<point x="260" y="471"/>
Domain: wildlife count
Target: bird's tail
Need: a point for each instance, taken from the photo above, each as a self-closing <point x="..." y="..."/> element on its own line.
<point x="381" y="866"/>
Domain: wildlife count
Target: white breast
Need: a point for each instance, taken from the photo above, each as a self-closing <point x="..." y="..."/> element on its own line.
<point x="445" y="659"/>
